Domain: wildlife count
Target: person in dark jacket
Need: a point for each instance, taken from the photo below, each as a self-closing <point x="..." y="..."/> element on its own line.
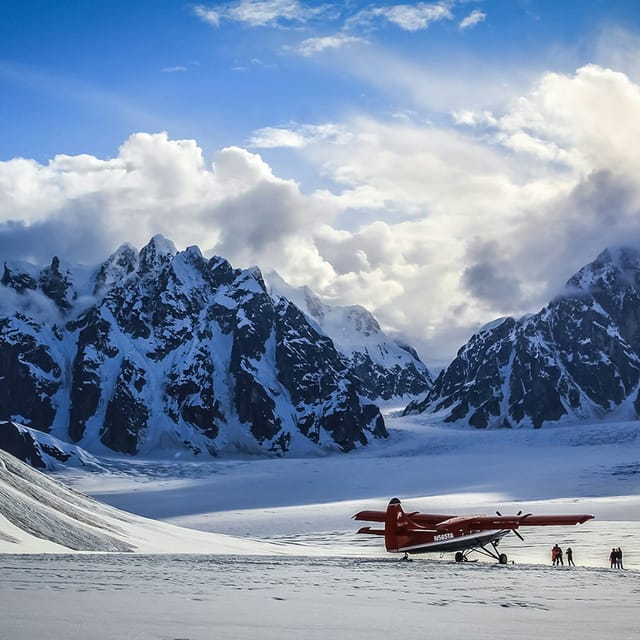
<point x="570" y="561"/>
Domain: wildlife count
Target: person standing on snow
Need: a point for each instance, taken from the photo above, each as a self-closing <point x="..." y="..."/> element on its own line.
<point x="570" y="561"/>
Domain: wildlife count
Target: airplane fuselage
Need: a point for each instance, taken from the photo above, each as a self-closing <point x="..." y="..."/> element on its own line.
<point x="447" y="542"/>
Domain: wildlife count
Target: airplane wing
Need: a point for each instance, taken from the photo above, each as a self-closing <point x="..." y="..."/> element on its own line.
<point x="419" y="519"/>
<point x="479" y="523"/>
<point x="427" y="519"/>
<point x="529" y="520"/>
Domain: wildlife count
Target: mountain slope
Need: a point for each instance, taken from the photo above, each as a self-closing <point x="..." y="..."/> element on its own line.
<point x="386" y="368"/>
<point x="578" y="358"/>
<point x="158" y="351"/>
<point x="41" y="515"/>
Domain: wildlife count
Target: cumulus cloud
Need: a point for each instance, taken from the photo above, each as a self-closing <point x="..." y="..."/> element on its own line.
<point x="83" y="206"/>
<point x="492" y="220"/>
<point x="437" y="229"/>
<point x="489" y="276"/>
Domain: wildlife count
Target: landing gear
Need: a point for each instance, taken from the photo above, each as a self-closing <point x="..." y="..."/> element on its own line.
<point x="462" y="556"/>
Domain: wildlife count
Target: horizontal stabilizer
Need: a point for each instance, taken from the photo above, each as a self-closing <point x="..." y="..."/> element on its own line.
<point x="370" y="516"/>
<point x="372" y="532"/>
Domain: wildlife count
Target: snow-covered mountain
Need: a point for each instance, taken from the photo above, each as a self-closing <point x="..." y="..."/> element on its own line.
<point x="42" y="450"/>
<point x="160" y="351"/>
<point x="386" y="368"/>
<point x="578" y="358"/>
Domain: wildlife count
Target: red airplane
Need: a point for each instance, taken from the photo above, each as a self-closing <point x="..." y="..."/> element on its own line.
<point x="427" y="532"/>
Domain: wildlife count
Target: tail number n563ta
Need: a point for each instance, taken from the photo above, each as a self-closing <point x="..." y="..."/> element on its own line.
<point x="442" y="536"/>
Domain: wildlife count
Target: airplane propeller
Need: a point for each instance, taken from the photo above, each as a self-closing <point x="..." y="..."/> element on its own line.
<point x="515" y="530"/>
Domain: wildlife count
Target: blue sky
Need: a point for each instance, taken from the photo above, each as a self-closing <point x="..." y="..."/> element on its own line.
<point x="418" y="158"/>
<point x="79" y="77"/>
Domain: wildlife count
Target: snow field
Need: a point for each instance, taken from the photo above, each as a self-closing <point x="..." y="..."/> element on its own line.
<point x="201" y="597"/>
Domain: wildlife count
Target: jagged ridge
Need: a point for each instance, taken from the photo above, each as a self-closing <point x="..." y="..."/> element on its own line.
<point x="386" y="368"/>
<point x="578" y="358"/>
<point x="163" y="351"/>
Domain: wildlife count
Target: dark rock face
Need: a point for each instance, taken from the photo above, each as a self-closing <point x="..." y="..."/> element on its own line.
<point x="94" y="347"/>
<point x="320" y="379"/>
<point x="173" y="351"/>
<point x="18" y="280"/>
<point x="30" y="375"/>
<point x="21" y="444"/>
<point x="578" y="358"/>
<point x="127" y="413"/>
<point x="57" y="285"/>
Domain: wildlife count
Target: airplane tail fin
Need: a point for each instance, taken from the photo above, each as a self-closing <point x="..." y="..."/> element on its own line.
<point x="393" y="518"/>
<point x="400" y="529"/>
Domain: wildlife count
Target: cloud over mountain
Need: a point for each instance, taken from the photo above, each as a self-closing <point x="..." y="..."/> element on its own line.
<point x="435" y="227"/>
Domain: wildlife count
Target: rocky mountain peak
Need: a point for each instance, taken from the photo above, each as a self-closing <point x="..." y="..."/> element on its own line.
<point x="173" y="352"/>
<point x="116" y="268"/>
<point x="578" y="358"/>
<point x="614" y="270"/>
<point x="56" y="284"/>
<point x="385" y="368"/>
<point x="157" y="253"/>
<point x="16" y="278"/>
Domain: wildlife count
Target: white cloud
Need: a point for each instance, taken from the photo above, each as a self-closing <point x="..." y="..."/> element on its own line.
<point x="585" y="120"/>
<point x="177" y="69"/>
<point x="278" y="13"/>
<point x="298" y="136"/>
<point x="470" y="226"/>
<point x="259" y="13"/>
<point x="312" y="46"/>
<point x="210" y="16"/>
<point x="154" y="185"/>
<point x="474" y="118"/>
<point x="474" y="18"/>
<point x="410" y="17"/>
<point x="274" y="138"/>
<point x="438" y="230"/>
